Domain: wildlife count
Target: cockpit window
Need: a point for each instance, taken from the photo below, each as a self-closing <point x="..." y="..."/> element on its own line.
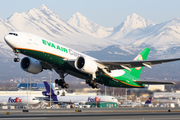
<point x="15" y="34"/>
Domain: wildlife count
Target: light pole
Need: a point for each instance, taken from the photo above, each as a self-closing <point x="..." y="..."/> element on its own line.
<point x="30" y="84"/>
<point x="27" y="91"/>
<point x="126" y="96"/>
<point x="113" y="91"/>
<point x="50" y="73"/>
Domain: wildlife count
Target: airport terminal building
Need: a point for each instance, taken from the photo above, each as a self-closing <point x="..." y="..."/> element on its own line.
<point x="33" y="86"/>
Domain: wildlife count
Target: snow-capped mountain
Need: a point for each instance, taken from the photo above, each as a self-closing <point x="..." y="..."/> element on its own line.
<point x="162" y="36"/>
<point x="80" y="33"/>
<point x="43" y="22"/>
<point x="87" y="26"/>
<point x="133" y="23"/>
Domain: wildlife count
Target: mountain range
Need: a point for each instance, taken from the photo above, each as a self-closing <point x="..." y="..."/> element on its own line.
<point x="121" y="42"/>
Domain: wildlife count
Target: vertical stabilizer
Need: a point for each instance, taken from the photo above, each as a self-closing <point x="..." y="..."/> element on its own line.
<point x="136" y="72"/>
<point x="148" y="101"/>
<point x="50" y="93"/>
<point x="47" y="86"/>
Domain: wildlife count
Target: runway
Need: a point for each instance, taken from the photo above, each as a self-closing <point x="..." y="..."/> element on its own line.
<point x="98" y="116"/>
<point x="93" y="114"/>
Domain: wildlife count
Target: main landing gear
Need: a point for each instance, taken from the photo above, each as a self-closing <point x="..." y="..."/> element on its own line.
<point x="16" y="59"/>
<point x="92" y="83"/>
<point x="61" y="81"/>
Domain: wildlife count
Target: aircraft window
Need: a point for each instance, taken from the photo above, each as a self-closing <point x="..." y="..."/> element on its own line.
<point x="13" y="34"/>
<point x="34" y="99"/>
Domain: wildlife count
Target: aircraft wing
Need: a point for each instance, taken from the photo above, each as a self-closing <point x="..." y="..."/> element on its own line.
<point x="152" y="82"/>
<point x="112" y="65"/>
<point x="46" y="66"/>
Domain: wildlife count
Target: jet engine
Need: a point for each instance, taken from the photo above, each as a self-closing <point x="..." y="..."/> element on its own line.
<point x="31" y="65"/>
<point x="86" y="65"/>
<point x="57" y="93"/>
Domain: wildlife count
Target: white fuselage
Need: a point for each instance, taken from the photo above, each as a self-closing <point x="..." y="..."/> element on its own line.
<point x="30" y="41"/>
<point x="18" y="100"/>
<point x="86" y="99"/>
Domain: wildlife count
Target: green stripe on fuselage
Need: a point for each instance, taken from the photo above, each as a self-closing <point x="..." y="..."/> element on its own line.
<point x="118" y="82"/>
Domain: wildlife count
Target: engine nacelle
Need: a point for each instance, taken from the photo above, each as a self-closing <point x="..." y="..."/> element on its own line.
<point x="57" y="93"/>
<point x="31" y="65"/>
<point x="86" y="65"/>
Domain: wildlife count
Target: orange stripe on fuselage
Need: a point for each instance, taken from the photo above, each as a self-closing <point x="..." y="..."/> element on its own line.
<point x="41" y="51"/>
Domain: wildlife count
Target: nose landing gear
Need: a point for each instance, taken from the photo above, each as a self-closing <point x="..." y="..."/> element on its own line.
<point x="16" y="59"/>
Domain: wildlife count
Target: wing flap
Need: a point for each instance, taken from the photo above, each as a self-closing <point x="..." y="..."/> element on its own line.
<point x="112" y="65"/>
<point x="152" y="82"/>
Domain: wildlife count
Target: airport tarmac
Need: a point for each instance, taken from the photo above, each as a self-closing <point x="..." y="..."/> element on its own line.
<point x="94" y="113"/>
<point x="95" y="110"/>
<point x="96" y="116"/>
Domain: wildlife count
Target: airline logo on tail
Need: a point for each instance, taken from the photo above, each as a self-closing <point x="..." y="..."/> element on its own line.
<point x="148" y="101"/>
<point x="16" y="100"/>
<point x="139" y="57"/>
<point x="93" y="99"/>
<point x="48" y="93"/>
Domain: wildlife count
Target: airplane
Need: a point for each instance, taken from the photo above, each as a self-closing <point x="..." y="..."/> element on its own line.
<point x="51" y="94"/>
<point x="18" y="100"/>
<point x="44" y="54"/>
<point x="148" y="102"/>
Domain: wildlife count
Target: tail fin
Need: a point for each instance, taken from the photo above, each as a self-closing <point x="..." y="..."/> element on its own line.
<point x="148" y="101"/>
<point x="48" y="89"/>
<point x="136" y="72"/>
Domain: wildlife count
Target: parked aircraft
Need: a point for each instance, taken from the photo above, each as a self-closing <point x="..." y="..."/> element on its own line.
<point x="18" y="100"/>
<point x="75" y="98"/>
<point x="148" y="101"/>
<point x="46" y="54"/>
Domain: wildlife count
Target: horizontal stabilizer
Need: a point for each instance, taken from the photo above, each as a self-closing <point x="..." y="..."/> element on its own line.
<point x="152" y="82"/>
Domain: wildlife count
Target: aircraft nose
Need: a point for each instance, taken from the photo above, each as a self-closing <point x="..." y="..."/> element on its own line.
<point x="9" y="40"/>
<point x="5" y="38"/>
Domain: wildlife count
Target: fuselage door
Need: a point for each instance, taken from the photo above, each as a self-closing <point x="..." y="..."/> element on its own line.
<point x="29" y="39"/>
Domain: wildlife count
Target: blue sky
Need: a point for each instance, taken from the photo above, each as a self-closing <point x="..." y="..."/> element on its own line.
<point x="107" y="13"/>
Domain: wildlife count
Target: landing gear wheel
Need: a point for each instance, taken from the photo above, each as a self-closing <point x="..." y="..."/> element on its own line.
<point x="91" y="82"/>
<point x="87" y="81"/>
<point x="56" y="81"/>
<point x="94" y="84"/>
<point x="97" y="86"/>
<point x="93" y="87"/>
<point x="16" y="59"/>
<point x="66" y="86"/>
<point x="59" y="84"/>
<point x="62" y="86"/>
